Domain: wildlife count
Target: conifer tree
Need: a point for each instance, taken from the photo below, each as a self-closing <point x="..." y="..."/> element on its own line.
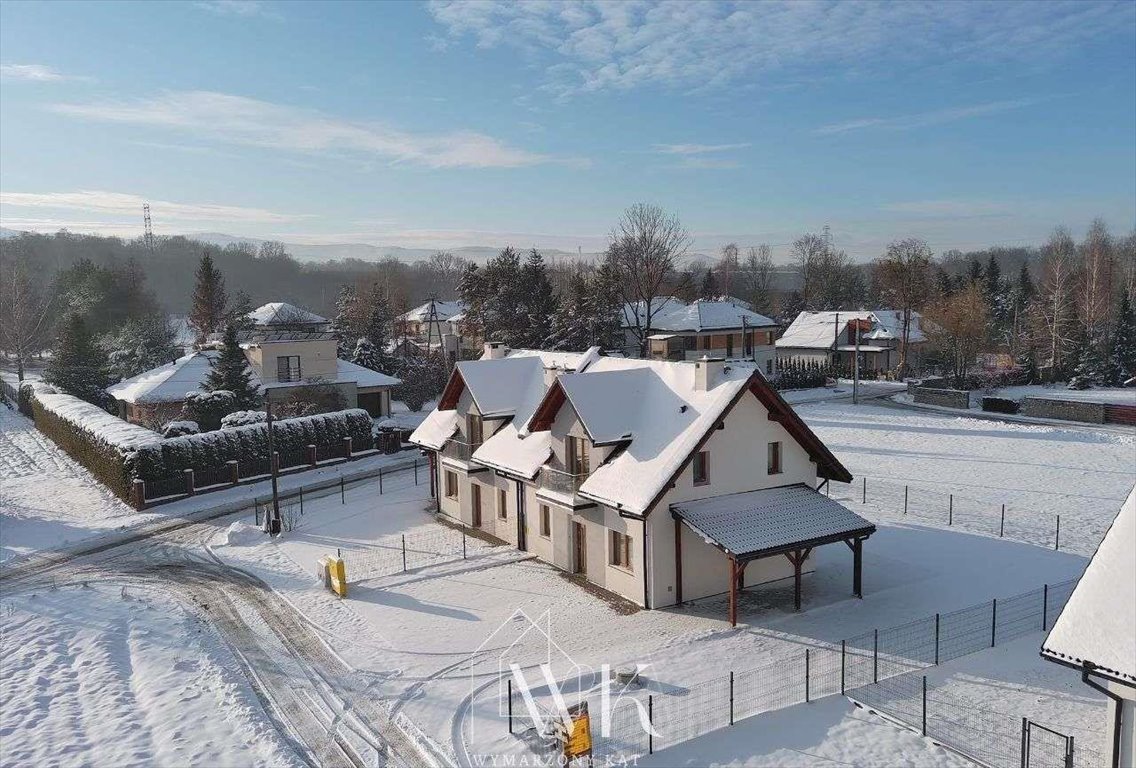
<point x="709" y="286"/>
<point x="1122" y="360"/>
<point x="342" y="324"/>
<point x="539" y="302"/>
<point x="78" y="366"/>
<point x="230" y="371"/>
<point x="570" y="326"/>
<point x="207" y="315"/>
<point x="238" y="312"/>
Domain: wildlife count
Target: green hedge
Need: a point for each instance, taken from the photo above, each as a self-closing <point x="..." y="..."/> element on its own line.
<point x="167" y="459"/>
<point x="105" y="461"/>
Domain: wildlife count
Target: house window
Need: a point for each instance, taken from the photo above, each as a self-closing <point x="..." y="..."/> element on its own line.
<point x="577" y="456"/>
<point x="451" y="485"/>
<point x="502" y="504"/>
<point x="473" y="429"/>
<point x="702" y="468"/>
<point x="769" y="338"/>
<point x="690" y="343"/>
<point x="620" y="550"/>
<point x="775" y="458"/>
<point x="748" y="343"/>
<point x="545" y="521"/>
<point x="288" y="368"/>
<point x="769" y="366"/>
<point x="729" y="345"/>
<point x="475" y="491"/>
<point x="707" y="340"/>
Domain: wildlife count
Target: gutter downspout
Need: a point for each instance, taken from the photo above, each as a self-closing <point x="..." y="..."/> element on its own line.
<point x="646" y="598"/>
<point x="1086" y="670"/>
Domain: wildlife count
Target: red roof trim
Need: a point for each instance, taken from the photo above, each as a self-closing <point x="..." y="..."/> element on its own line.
<point x="545" y="414"/>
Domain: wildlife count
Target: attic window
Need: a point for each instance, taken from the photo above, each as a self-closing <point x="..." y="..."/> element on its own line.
<point x="702" y="468"/>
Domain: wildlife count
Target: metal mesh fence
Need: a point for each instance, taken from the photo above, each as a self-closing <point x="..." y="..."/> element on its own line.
<point x="990" y="516"/>
<point x="879" y="667"/>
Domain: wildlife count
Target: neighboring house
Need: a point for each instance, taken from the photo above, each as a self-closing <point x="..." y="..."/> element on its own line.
<point x="681" y="331"/>
<point x="437" y="323"/>
<point x="1096" y="632"/>
<point x="659" y="481"/>
<point x="288" y="348"/>
<point x="826" y="337"/>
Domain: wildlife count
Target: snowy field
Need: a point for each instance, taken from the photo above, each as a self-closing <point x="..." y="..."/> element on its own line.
<point x="106" y="677"/>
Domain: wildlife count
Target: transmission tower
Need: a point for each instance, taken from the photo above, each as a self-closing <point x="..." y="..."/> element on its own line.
<point x="148" y="236"/>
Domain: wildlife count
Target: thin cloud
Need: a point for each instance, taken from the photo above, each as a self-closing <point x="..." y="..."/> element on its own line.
<point x="592" y="46"/>
<point x="708" y="164"/>
<point x="950" y="209"/>
<point x="240" y="120"/>
<point x="97" y="201"/>
<point x="925" y="119"/>
<point x="696" y="149"/>
<point x="240" y="8"/>
<point x="36" y="73"/>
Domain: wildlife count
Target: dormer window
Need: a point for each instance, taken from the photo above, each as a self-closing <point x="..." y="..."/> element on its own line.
<point x="473" y="429"/>
<point x="576" y="455"/>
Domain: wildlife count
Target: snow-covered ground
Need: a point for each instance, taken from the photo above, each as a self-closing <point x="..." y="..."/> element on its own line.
<point x="110" y="677"/>
<point x="424" y="629"/>
<point x="1122" y="396"/>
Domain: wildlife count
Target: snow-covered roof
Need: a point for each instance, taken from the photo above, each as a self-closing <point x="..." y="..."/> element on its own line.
<point x="166" y="383"/>
<point x="435" y="429"/>
<point x="708" y="316"/>
<point x="769" y="520"/>
<point x="445" y="310"/>
<point x="660" y="305"/>
<point x="818" y="330"/>
<point x="608" y="402"/>
<point x="283" y="313"/>
<point x="1098" y="624"/>
<point x="562" y="361"/>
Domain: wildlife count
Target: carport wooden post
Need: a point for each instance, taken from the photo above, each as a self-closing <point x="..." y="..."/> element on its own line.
<point x="678" y="561"/>
<point x="858" y="568"/>
<point x="733" y="591"/>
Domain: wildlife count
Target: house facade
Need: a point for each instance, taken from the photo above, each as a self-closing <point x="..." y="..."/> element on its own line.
<point x="287" y="348"/>
<point x="681" y="331"/>
<point x="830" y="338"/>
<point x="624" y="471"/>
<point x="436" y="325"/>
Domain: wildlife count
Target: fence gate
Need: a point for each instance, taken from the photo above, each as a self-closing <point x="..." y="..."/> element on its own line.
<point x="1044" y="747"/>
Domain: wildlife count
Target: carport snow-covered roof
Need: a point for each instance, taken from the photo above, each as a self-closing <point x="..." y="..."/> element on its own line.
<point x="1098" y="624"/>
<point x="771" y="521"/>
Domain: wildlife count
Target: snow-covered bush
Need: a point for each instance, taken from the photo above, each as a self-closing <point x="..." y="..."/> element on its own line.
<point x="208" y="450"/>
<point x="208" y="408"/>
<point x="243" y="419"/>
<point x="180" y="428"/>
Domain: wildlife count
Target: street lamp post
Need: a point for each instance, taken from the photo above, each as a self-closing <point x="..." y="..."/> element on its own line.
<point x="274" y="520"/>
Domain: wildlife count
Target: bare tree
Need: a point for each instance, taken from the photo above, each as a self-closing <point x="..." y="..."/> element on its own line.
<point x="728" y="266"/>
<point x="445" y="271"/>
<point x="904" y="278"/>
<point x="1094" y="294"/>
<point x="957" y="328"/>
<point x="645" y="247"/>
<point x="759" y="277"/>
<point x="1056" y="307"/>
<point x="806" y="255"/>
<point x="25" y="322"/>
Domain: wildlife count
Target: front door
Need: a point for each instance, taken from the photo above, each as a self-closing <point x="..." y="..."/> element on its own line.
<point x="581" y="565"/>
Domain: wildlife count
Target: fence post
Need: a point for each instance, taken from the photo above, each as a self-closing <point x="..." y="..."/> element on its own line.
<point x="651" y="722"/>
<point x="234" y="472"/>
<point x="1025" y="735"/>
<point x="138" y="494"/>
<point x="509" y="681"/>
<point x="1069" y="752"/>
<point x="463" y="541"/>
<point x="842" y="643"/>
<point x="1044" y="606"/>
<point x="347" y="447"/>
<point x="1002" y="525"/>
<point x="951" y="510"/>
<point x="380" y="481"/>
<point x="993" y="621"/>
<point x="189" y="481"/>
<point x="342" y="492"/>
<point x="731" y="697"/>
<point x="864" y="498"/>
<point x="311" y="449"/>
<point x="905" y="499"/>
<point x="416" y="471"/>
<point x="806" y="675"/>
<point x="936" y="639"/>
<point x="924" y="705"/>
<point x="301" y="499"/>
<point x="1057" y="538"/>
<point x="875" y="655"/>
<point x="404" y="553"/>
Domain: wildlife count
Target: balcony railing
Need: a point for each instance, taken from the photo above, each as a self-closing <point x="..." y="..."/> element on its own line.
<point x="457" y="449"/>
<point x="559" y="481"/>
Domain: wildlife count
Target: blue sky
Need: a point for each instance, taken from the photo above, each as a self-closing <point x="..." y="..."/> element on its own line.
<point x="448" y="124"/>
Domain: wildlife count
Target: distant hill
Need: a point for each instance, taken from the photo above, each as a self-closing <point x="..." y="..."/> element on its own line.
<point x="367" y="251"/>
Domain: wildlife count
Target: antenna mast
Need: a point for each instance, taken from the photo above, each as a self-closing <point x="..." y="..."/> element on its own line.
<point x="148" y="235"/>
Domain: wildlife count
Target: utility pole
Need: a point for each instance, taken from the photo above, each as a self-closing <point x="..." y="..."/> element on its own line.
<point x="148" y="231"/>
<point x="274" y="521"/>
<point x="856" y="367"/>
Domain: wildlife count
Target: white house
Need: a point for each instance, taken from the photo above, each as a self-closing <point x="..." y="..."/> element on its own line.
<point x="827" y="337"/>
<point x="437" y="323"/>
<point x="1096" y="632"/>
<point x="287" y="348"/>
<point x="681" y="331"/>
<point x="660" y="481"/>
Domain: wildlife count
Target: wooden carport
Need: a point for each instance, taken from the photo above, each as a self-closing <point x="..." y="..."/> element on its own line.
<point x="790" y="521"/>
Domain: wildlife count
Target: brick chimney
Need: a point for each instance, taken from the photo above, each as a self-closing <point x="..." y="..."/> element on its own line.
<point x="707" y="371"/>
